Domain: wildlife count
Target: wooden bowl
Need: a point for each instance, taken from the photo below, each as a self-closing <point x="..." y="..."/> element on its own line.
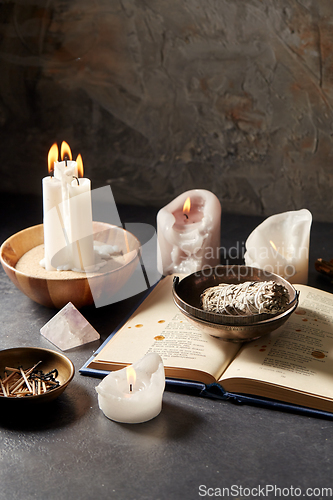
<point x="58" y="288"/>
<point x="27" y="357"/>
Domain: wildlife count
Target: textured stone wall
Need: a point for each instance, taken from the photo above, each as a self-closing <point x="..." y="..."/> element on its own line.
<point x="161" y="96"/>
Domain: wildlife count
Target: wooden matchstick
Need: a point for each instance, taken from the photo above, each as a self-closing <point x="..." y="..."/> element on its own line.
<point x="4" y="390"/>
<point x="25" y="379"/>
<point x="27" y="382"/>
<point x="9" y="377"/>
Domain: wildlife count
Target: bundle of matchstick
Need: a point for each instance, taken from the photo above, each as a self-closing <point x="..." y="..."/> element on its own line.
<point x="30" y="382"/>
<point x="243" y="299"/>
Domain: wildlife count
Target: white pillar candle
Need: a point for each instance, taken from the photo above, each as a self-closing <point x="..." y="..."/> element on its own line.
<point x="52" y="220"/>
<point x="134" y="394"/>
<point x="66" y="170"/>
<point x="81" y="229"/>
<point x="55" y="237"/>
<point x="68" y="230"/>
<point x="189" y="238"/>
<point x="280" y="245"/>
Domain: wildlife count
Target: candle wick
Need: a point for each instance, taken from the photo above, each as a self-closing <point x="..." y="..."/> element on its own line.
<point x="77" y="180"/>
<point x="66" y="158"/>
<point x="131" y="388"/>
<point x="185" y="215"/>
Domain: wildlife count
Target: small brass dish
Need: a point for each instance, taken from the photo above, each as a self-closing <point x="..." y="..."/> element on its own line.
<point x="187" y="292"/>
<point x="27" y="357"/>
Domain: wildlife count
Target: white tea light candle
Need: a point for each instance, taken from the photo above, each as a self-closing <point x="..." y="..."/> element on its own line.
<point x="188" y="232"/>
<point x="133" y="394"/>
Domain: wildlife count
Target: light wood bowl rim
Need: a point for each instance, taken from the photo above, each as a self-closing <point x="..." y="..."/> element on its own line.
<point x="89" y="275"/>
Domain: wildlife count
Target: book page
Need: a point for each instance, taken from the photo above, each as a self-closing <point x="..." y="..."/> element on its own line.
<point x="298" y="356"/>
<point x="158" y="326"/>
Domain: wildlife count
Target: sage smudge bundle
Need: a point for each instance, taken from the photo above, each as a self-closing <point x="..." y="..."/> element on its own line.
<point x="244" y="299"/>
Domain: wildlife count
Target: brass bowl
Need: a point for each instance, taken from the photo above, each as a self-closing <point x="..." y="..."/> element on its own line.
<point x="27" y="357"/>
<point x="187" y="292"/>
<point x="55" y="290"/>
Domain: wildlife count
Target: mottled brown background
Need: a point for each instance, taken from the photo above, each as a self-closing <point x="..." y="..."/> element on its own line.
<point x="161" y="96"/>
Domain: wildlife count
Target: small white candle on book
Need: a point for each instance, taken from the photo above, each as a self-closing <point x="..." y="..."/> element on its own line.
<point x="133" y="394"/>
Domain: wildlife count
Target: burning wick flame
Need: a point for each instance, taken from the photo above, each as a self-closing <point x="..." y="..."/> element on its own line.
<point x="52" y="158"/>
<point x="131" y="377"/>
<point x="79" y="165"/>
<point x="187" y="207"/>
<point x="65" y="152"/>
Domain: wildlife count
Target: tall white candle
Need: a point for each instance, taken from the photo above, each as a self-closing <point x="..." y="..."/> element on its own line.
<point x="53" y="223"/>
<point x="65" y="170"/>
<point x="53" y="233"/>
<point x="81" y="229"/>
<point x="189" y="236"/>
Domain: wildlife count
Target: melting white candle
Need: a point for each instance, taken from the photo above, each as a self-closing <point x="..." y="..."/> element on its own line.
<point x="188" y="231"/>
<point x="280" y="245"/>
<point x="134" y="394"/>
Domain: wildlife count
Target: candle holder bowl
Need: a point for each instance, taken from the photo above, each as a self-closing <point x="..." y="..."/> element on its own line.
<point x="187" y="291"/>
<point x="27" y="357"/>
<point x="56" y="288"/>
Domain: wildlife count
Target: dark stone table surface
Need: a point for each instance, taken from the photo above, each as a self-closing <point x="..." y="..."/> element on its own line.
<point x="69" y="449"/>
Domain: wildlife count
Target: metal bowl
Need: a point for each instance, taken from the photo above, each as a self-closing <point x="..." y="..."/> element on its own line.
<point x="187" y="292"/>
<point x="26" y="357"/>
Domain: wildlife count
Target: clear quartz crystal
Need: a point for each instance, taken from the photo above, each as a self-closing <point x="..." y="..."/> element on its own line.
<point x="68" y="329"/>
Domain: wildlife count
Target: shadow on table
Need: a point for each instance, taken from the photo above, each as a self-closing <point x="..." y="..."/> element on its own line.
<point x="173" y="423"/>
<point x="31" y="416"/>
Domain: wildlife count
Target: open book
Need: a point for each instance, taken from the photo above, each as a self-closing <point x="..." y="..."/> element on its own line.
<point x="292" y="365"/>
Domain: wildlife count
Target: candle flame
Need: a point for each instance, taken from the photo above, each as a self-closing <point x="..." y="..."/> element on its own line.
<point x="79" y="165"/>
<point x="187" y="205"/>
<point x="131" y="375"/>
<point x="273" y="244"/>
<point x="65" y="151"/>
<point x="52" y="157"/>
